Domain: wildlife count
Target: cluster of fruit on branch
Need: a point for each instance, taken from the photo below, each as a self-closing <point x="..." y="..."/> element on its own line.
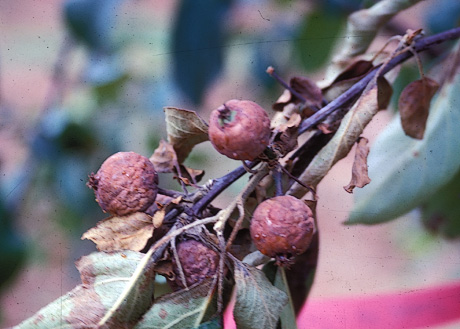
<point x="271" y="223"/>
<point x="281" y="227"/>
<point x="253" y="244"/>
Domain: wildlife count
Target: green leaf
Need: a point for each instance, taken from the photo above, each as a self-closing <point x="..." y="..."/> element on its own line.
<point x="288" y="318"/>
<point x="258" y="303"/>
<point x="316" y="37"/>
<point x="185" y="129"/>
<point x="198" y="45"/>
<point x="300" y="275"/>
<point x="406" y="172"/>
<point x="339" y="146"/>
<point x="182" y="309"/>
<point x="108" y="87"/>
<point x="103" y="276"/>
<point x="92" y="21"/>
<point x="215" y="323"/>
<point x="441" y="213"/>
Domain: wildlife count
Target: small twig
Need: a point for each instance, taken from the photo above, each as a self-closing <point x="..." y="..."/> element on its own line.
<point x="239" y="203"/>
<point x="271" y="71"/>
<point x="297" y="180"/>
<point x="219" y="227"/>
<point x="278" y="180"/>
<point x="249" y="188"/>
<point x="179" y="178"/>
<point x="178" y="263"/>
<point x="219" y="185"/>
<point x="405" y="44"/>
<point x="249" y="170"/>
<point x="237" y="226"/>
<point x="358" y="87"/>
<point x="220" y="282"/>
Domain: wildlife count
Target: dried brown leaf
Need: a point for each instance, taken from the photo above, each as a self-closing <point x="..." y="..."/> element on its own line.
<point x="122" y="233"/>
<point x="158" y="217"/>
<point x="414" y="106"/>
<point x="306" y="88"/>
<point x="166" y="268"/>
<point x="356" y="69"/>
<point x="339" y="146"/>
<point x="385" y="91"/>
<point x="338" y="88"/>
<point x="282" y="101"/>
<point x="326" y="128"/>
<point x="159" y="203"/>
<point x="286" y="140"/>
<point x="293" y="122"/>
<point x="160" y="214"/>
<point x="359" y="176"/>
<point x="346" y="79"/>
<point x="185" y="130"/>
<point x="164" y="158"/>
<point x="193" y="175"/>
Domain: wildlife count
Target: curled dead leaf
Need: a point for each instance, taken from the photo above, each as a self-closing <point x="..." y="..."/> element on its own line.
<point x="385" y="91"/>
<point x="346" y="79"/>
<point x="306" y="88"/>
<point x="185" y="130"/>
<point x="165" y="268"/>
<point x="359" y="176"/>
<point x="414" y="106"/>
<point x="339" y="146"/>
<point x="326" y="128"/>
<point x="282" y="101"/>
<point x="194" y="176"/>
<point x="188" y="175"/>
<point x="356" y="69"/>
<point x="121" y="232"/>
<point x="164" y="157"/>
<point x="286" y="135"/>
<point x="160" y="214"/>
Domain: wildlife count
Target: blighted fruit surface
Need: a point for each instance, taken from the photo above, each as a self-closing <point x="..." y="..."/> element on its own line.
<point x="198" y="262"/>
<point x="125" y="183"/>
<point x="239" y="129"/>
<point x="282" y="227"/>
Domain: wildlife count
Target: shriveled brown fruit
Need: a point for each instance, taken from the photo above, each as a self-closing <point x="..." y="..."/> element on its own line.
<point x="198" y="263"/>
<point x="239" y="129"/>
<point x="282" y="227"/>
<point x="126" y="183"/>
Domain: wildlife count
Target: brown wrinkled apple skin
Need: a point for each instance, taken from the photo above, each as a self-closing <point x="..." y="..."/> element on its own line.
<point x="246" y="136"/>
<point x="126" y="183"/>
<point x="282" y="227"/>
<point x="198" y="263"/>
